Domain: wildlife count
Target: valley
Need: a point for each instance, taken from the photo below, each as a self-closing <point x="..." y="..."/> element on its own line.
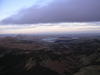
<point x="64" y="56"/>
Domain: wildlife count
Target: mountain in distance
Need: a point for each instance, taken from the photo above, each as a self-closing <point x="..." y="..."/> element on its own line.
<point x="30" y="55"/>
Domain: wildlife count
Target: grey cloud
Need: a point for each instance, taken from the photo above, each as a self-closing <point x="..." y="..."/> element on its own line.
<point x="58" y="11"/>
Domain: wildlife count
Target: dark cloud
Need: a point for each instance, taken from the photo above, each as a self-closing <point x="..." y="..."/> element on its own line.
<point x="57" y="12"/>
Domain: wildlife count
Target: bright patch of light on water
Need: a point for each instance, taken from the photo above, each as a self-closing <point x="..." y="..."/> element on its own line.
<point x="49" y="39"/>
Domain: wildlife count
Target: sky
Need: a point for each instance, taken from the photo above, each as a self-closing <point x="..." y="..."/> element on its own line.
<point x="49" y="16"/>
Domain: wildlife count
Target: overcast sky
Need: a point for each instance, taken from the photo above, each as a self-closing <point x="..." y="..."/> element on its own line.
<point x="49" y="16"/>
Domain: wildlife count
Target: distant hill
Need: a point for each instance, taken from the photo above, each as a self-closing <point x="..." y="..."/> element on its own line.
<point x="62" y="57"/>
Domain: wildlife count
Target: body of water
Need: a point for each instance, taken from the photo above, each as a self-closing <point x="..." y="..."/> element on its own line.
<point x="49" y="39"/>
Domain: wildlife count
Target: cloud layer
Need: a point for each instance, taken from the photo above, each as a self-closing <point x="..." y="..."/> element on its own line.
<point x="58" y="11"/>
<point x="59" y="28"/>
